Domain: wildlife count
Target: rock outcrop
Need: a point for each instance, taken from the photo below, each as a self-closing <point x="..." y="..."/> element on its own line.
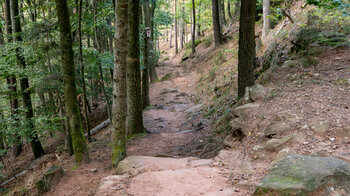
<point x="49" y="179"/>
<point x="307" y="175"/>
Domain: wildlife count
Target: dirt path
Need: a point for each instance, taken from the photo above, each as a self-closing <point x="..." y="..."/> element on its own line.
<point x="177" y="130"/>
<point x="174" y="119"/>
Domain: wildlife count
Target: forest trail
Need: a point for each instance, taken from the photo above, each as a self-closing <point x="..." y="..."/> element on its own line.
<point x="177" y="130"/>
<point x="173" y="118"/>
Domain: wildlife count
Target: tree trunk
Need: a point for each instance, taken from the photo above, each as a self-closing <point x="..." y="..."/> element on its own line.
<point x="79" y="144"/>
<point x="11" y="82"/>
<point x="266" y="18"/>
<point x="108" y="104"/>
<point x="24" y="82"/>
<point x="194" y="28"/>
<point x="222" y="14"/>
<point x="119" y="82"/>
<point x="171" y="36"/>
<point x="216" y="23"/>
<point x="152" y="67"/>
<point x="182" y="36"/>
<point x="198" y="27"/>
<point x="237" y="10"/>
<point x="65" y="125"/>
<point x="175" y="29"/>
<point x="246" y="51"/>
<point x="82" y="70"/>
<point x="229" y="9"/>
<point x="100" y="47"/>
<point x="146" y="62"/>
<point x="135" y="122"/>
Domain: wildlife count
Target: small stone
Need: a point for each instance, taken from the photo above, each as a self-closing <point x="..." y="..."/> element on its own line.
<point x="332" y="139"/>
<point x="343" y="133"/>
<point x="237" y="190"/>
<point x="299" y="138"/>
<point x="320" y="127"/>
<point x="239" y="111"/>
<point x="276" y="129"/>
<point x="258" y="92"/>
<point x="94" y="170"/>
<point x="275" y="143"/>
<point x="320" y="153"/>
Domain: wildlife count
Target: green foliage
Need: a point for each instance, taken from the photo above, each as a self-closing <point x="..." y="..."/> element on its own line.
<point x="340" y="5"/>
<point x="196" y="43"/>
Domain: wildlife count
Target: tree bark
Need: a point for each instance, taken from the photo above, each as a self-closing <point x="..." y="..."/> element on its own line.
<point x="171" y="36"/>
<point x="222" y="14"/>
<point x="79" y="144"/>
<point x="135" y="121"/>
<point x="266" y="18"/>
<point x="119" y="82"/>
<point x="198" y="27"/>
<point x="237" y="10"/>
<point x="146" y="56"/>
<point x="24" y="82"/>
<point x="82" y="70"/>
<point x="65" y="125"/>
<point x="182" y="27"/>
<point x="152" y="67"/>
<point x="194" y="28"/>
<point x="12" y="82"/>
<point x="246" y="51"/>
<point x="175" y="25"/>
<point x="216" y="23"/>
<point x="229" y="9"/>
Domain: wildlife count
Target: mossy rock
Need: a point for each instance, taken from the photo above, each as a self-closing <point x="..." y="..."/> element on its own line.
<point x="306" y="175"/>
<point x="50" y="178"/>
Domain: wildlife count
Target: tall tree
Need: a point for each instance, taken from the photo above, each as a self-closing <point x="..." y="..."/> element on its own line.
<point x="82" y="70"/>
<point x="182" y="34"/>
<point x="222" y="14"/>
<point x="99" y="45"/>
<point x="171" y="36"/>
<point x="216" y="23"/>
<point x="119" y="82"/>
<point x="135" y="122"/>
<point x="152" y="66"/>
<point x="266" y="18"/>
<point x="229" y="9"/>
<point x="24" y="82"/>
<point x="175" y="26"/>
<point x="237" y="10"/>
<point x="11" y="81"/>
<point x="146" y="55"/>
<point x="246" y="51"/>
<point x="193" y="28"/>
<point x="79" y="144"/>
